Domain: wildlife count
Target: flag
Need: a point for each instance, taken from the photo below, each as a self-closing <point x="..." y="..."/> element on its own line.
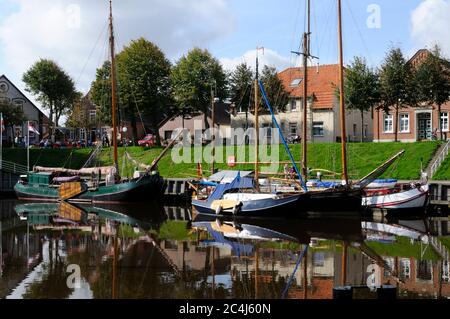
<point x="32" y="129"/>
<point x="2" y="123"/>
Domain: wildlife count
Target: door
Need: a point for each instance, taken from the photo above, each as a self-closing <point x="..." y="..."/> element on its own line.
<point x="424" y="126"/>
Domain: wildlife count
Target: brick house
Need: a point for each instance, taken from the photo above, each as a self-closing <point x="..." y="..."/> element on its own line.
<point x="323" y="108"/>
<point x="415" y="123"/>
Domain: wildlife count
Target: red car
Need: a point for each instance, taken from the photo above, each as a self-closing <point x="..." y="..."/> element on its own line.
<point x="148" y="141"/>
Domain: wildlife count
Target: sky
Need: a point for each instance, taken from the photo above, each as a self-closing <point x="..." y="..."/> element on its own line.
<point x="74" y="32"/>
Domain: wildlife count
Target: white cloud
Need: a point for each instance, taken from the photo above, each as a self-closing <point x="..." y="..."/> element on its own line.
<point x="68" y="30"/>
<point x="270" y="58"/>
<point x="430" y="24"/>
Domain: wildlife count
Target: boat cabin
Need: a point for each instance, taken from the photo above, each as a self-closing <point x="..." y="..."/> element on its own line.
<point x="38" y="179"/>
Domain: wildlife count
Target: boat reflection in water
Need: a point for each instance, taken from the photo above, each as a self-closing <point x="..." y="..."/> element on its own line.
<point x="161" y="252"/>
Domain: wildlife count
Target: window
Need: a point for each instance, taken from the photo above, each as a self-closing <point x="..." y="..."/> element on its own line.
<point x="355" y="127"/>
<point x="446" y="271"/>
<point x="319" y="259"/>
<point x="293" y="128"/>
<point x="293" y="105"/>
<point x="366" y="130"/>
<point x="404" y="123"/>
<point x="444" y="121"/>
<point x="405" y="268"/>
<point x="168" y="135"/>
<point x="92" y="115"/>
<point x="318" y="129"/>
<point x="82" y="134"/>
<point x="295" y="82"/>
<point x="424" y="270"/>
<point x="388" y="123"/>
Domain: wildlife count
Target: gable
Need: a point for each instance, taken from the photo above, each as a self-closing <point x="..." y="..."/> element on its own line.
<point x="11" y="93"/>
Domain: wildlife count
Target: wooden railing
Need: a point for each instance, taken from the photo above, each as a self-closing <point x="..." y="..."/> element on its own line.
<point x="14" y="168"/>
<point x="439" y="159"/>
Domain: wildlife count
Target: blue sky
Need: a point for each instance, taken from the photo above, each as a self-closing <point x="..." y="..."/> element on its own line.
<point x="68" y="31"/>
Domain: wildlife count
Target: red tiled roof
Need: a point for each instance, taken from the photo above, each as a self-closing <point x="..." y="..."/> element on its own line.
<point x="321" y="82"/>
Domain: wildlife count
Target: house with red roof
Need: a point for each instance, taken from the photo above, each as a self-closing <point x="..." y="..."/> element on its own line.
<point x="323" y="124"/>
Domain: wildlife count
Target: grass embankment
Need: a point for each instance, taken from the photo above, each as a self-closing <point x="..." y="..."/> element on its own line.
<point x="404" y="248"/>
<point x="362" y="158"/>
<point x="443" y="173"/>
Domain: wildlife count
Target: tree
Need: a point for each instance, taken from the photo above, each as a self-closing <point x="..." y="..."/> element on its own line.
<point x="361" y="88"/>
<point x="143" y="88"/>
<point x="144" y="80"/>
<point x="275" y="90"/>
<point x="193" y="78"/>
<point x="433" y="81"/>
<point x="101" y="93"/>
<point x="241" y="81"/>
<point x="12" y="115"/>
<point x="397" y="84"/>
<point x="53" y="87"/>
<point x="79" y="116"/>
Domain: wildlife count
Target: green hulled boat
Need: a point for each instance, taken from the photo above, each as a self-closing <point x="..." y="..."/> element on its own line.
<point x="86" y="185"/>
<point x="46" y="187"/>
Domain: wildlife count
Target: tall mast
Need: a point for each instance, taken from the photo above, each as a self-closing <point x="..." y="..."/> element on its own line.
<point x="342" y="97"/>
<point x="257" y="122"/>
<point x="113" y="85"/>
<point x="305" y="108"/>
<point x="306" y="53"/>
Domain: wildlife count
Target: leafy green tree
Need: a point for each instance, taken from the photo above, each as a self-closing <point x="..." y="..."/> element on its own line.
<point x="144" y="79"/>
<point x="143" y="90"/>
<point x="275" y="90"/>
<point x="53" y="87"/>
<point x="101" y="93"/>
<point x="361" y="88"/>
<point x="397" y="84"/>
<point x="433" y="81"/>
<point x="12" y="115"/>
<point x="241" y="81"/>
<point x="193" y="78"/>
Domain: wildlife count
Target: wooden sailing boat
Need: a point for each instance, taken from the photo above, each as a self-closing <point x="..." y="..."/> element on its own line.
<point x="57" y="184"/>
<point x="243" y="197"/>
<point x="342" y="197"/>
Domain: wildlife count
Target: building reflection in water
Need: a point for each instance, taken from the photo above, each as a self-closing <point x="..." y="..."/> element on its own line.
<point x="160" y="252"/>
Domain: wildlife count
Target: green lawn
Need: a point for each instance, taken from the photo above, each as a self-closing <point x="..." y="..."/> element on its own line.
<point x="362" y="158"/>
<point x="403" y="248"/>
<point x="443" y="172"/>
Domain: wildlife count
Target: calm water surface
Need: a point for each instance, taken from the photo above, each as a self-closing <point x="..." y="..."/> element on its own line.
<point x="54" y="251"/>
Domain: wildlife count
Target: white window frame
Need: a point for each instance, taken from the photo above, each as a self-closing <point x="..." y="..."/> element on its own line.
<point x="92" y="115"/>
<point x="316" y="124"/>
<point x="444" y="120"/>
<point x="405" y="268"/>
<point x="293" y="105"/>
<point x="82" y="134"/>
<point x="390" y="118"/>
<point x="403" y="119"/>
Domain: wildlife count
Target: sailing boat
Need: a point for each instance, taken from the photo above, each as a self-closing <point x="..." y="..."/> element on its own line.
<point x="337" y="198"/>
<point x="242" y="196"/>
<point x="85" y="185"/>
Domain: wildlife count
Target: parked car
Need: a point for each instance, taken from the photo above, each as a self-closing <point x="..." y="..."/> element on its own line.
<point x="148" y="141"/>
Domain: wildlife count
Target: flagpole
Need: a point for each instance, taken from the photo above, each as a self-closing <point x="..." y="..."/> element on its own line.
<point x="28" y="145"/>
<point x="1" y="140"/>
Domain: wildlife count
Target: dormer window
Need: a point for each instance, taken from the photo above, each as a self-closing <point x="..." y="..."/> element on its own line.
<point x="296" y="82"/>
